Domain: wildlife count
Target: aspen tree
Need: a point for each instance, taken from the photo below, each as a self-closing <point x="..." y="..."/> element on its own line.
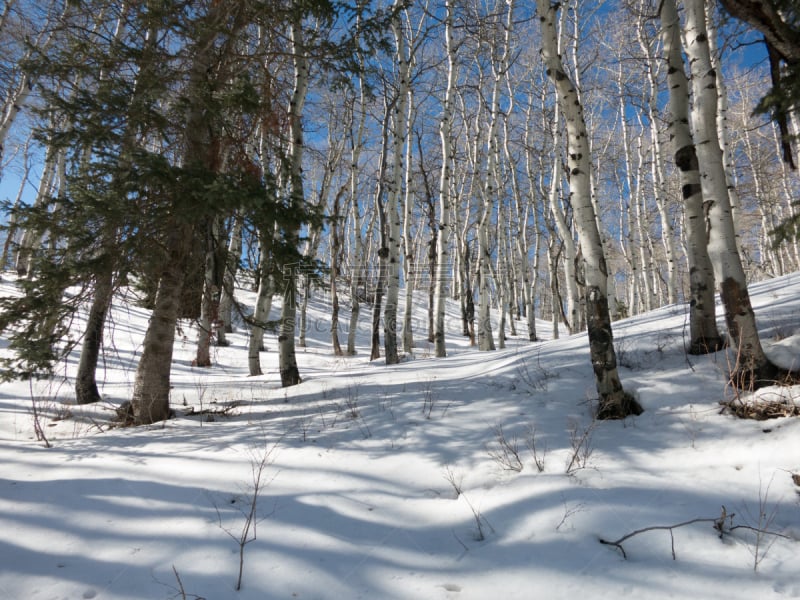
<point x="399" y="120"/>
<point x="614" y="401"/>
<point x="722" y="119"/>
<point x="491" y="189"/>
<point x="356" y="138"/>
<point x="383" y="250"/>
<point x="212" y="288"/>
<point x="12" y="230"/>
<point x="287" y="360"/>
<point x="753" y="368"/>
<point x="233" y="256"/>
<point x="703" y="333"/>
<point x="21" y="88"/>
<point x="266" y="235"/>
<point x="524" y="207"/>
<point x="412" y="267"/>
<point x="445" y="187"/>
<point x="335" y="258"/>
<point x="657" y="163"/>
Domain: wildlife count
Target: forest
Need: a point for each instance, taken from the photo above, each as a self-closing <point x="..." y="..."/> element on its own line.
<point x="578" y="163"/>
<point x="399" y="299"/>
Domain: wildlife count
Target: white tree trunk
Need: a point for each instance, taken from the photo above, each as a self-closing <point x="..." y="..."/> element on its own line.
<point x="358" y="256"/>
<point x="227" y="299"/>
<point x="564" y="232"/>
<point x="657" y="165"/>
<point x="255" y="342"/>
<point x="722" y="122"/>
<point x="443" y="235"/>
<point x="614" y="402"/>
<point x="287" y="359"/>
<point x="12" y="110"/>
<point x="752" y="366"/>
<point x="394" y="189"/>
<point x="30" y="237"/>
<point x="703" y="332"/>
<point x="11" y="231"/>
<point x="411" y="264"/>
<point x="209" y="305"/>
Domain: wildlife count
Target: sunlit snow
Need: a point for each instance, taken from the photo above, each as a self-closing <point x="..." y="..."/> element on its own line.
<point x="389" y="482"/>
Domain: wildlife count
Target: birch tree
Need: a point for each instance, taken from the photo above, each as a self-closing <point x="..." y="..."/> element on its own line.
<point x="19" y="82"/>
<point x="399" y="119"/>
<point x="445" y="186"/>
<point x="614" y="401"/>
<point x="703" y="334"/>
<point x="657" y="163"/>
<point x="752" y="368"/>
<point x="227" y="301"/>
<point x="287" y="359"/>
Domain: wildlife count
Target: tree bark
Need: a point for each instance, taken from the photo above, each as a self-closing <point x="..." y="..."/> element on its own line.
<point x="209" y="303"/>
<point x="614" y="402"/>
<point x="445" y="202"/>
<point x="287" y="359"/>
<point x="703" y="333"/>
<point x="766" y="17"/>
<point x="227" y="299"/>
<point x="752" y="368"/>
<point x="261" y="311"/>
<point x="85" y="381"/>
<point x="150" y="400"/>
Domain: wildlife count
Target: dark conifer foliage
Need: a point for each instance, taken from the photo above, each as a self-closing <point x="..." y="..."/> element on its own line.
<point x="150" y="110"/>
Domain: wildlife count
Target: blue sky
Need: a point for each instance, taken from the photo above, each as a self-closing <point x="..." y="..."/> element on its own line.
<point x="752" y="53"/>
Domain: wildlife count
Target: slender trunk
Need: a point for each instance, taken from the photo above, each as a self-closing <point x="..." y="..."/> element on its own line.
<point x="31" y="237"/>
<point x="85" y="380"/>
<point x="445" y="201"/>
<point x="529" y="272"/>
<point x="311" y="250"/>
<point x="614" y="402"/>
<point x="263" y="306"/>
<point x="399" y="119"/>
<point x="383" y="251"/>
<point x="209" y="304"/>
<point x="555" y="302"/>
<point x="752" y="368"/>
<point x="287" y="359"/>
<point x="559" y="218"/>
<point x="410" y="264"/>
<point x="335" y="253"/>
<point x="12" y="110"/>
<point x="400" y="178"/>
<point x="227" y="299"/>
<point x="11" y="231"/>
<point x="657" y="166"/>
<point x="485" y="339"/>
<point x="358" y="261"/>
<point x="721" y="122"/>
<point x="703" y="332"/>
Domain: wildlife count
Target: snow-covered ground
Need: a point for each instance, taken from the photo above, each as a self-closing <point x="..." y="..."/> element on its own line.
<point x="390" y="482"/>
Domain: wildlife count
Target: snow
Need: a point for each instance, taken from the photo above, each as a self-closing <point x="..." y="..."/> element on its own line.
<point x="379" y="481"/>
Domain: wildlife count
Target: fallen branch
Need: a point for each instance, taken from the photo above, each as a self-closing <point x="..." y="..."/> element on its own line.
<point x="718" y="524"/>
<point x="618" y="543"/>
<point x="761" y="531"/>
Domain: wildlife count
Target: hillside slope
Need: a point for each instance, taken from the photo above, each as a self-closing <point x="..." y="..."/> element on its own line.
<point x="402" y="481"/>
